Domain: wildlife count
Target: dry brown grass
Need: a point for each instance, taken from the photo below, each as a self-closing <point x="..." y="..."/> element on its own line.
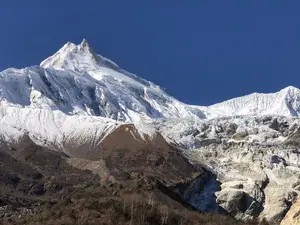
<point x="99" y="205"/>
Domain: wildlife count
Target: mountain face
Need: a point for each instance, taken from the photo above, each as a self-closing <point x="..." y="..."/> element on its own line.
<point x="85" y="106"/>
<point x="103" y="89"/>
<point x="77" y="81"/>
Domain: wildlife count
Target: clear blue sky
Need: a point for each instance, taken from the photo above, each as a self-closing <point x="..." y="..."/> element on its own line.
<point x="201" y="52"/>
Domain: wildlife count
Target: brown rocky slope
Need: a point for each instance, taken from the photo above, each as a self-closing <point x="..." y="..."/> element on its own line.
<point x="132" y="180"/>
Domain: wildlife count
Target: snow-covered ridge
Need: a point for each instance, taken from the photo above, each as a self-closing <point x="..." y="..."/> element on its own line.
<point x="82" y="59"/>
<point x="76" y="85"/>
<point x="77" y="81"/>
<point x="286" y="102"/>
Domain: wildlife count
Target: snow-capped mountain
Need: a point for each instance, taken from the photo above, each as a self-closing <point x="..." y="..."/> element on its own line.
<point x="115" y="93"/>
<point x="76" y="86"/>
<point x="82" y="81"/>
<point x="77" y="81"/>
<point x="286" y="102"/>
<point x="76" y="99"/>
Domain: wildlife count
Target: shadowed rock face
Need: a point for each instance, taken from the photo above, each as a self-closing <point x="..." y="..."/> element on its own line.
<point x="294" y="139"/>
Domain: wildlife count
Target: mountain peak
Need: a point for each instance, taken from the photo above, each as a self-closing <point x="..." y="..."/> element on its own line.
<point x="85" y="47"/>
<point x="77" y="58"/>
<point x="84" y="43"/>
<point x="289" y="89"/>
